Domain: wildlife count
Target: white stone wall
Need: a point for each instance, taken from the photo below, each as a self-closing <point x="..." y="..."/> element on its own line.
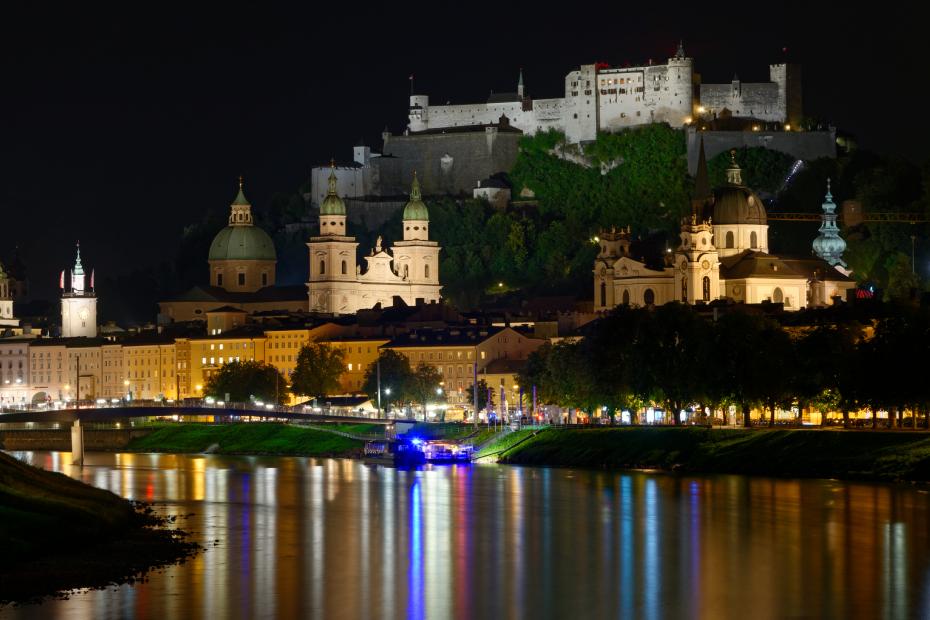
<point x="351" y="182"/>
<point x="14" y="373"/>
<point x="742" y="238"/>
<point x="79" y="316"/>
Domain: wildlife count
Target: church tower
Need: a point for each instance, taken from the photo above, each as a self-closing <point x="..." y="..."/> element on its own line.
<point x="6" y="301"/>
<point x="333" y="275"/>
<point x="829" y="245"/>
<point x="79" y="304"/>
<point x="698" y="277"/>
<point x="416" y="258"/>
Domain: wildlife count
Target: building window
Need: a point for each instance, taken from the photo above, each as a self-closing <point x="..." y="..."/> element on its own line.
<point x="729" y="238"/>
<point x="343" y="268"/>
<point x="706" y="288"/>
<point x="753" y="240"/>
<point x="426" y="271"/>
<point x="626" y="297"/>
<point x="649" y="297"/>
<point x="603" y="294"/>
<point x="219" y="279"/>
<point x="322" y="267"/>
<point x="264" y="279"/>
<point x="777" y="296"/>
<point x="241" y="279"/>
<point x="684" y="290"/>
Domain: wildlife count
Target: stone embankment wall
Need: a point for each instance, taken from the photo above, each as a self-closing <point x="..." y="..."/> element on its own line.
<point x="111" y="439"/>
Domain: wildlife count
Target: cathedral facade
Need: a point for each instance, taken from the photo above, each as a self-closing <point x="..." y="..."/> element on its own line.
<point x="723" y="254"/>
<point x="409" y="270"/>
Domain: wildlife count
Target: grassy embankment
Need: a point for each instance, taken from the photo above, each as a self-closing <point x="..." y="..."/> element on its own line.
<point x="257" y="438"/>
<point x="57" y="533"/>
<point x="863" y="455"/>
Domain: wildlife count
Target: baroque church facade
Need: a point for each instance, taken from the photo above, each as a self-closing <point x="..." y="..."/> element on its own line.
<point x="723" y="254"/>
<point x="409" y="270"/>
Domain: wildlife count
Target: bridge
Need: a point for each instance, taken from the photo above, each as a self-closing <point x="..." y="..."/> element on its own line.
<point x="118" y="414"/>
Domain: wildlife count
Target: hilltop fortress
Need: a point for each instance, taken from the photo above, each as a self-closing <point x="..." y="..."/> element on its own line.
<point x="599" y="97"/>
<point x="461" y="149"/>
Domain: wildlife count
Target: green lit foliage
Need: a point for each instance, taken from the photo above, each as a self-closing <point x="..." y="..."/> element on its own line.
<point x="318" y="369"/>
<point x="246" y="381"/>
<point x="762" y="169"/>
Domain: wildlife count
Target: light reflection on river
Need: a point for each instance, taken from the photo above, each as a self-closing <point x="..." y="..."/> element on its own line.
<point x="330" y="538"/>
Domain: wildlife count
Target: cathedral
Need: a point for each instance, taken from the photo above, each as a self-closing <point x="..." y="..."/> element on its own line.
<point x="409" y="270"/>
<point x="723" y="254"/>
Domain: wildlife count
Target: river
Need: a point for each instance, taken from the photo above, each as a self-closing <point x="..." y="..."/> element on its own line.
<point x="328" y="538"/>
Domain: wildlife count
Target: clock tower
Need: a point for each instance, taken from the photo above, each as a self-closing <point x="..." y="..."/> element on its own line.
<point x="79" y="304"/>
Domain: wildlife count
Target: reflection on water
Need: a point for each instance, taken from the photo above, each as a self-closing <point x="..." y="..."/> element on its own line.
<point x="330" y="538"/>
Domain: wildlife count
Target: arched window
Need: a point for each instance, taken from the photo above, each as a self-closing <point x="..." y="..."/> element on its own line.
<point x="684" y="289"/>
<point x="426" y="271"/>
<point x="626" y="297"/>
<point x="219" y="279"/>
<point x="343" y="268"/>
<point x="322" y="267"/>
<point x="706" y="288"/>
<point x="264" y="279"/>
<point x="649" y="297"/>
<point x="729" y="238"/>
<point x="753" y="240"/>
<point x="603" y="294"/>
<point x="777" y="296"/>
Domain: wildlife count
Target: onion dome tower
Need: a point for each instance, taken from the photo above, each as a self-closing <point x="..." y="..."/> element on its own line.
<point x="416" y="258"/>
<point x="242" y="256"/>
<point x="829" y="245"/>
<point x="333" y="208"/>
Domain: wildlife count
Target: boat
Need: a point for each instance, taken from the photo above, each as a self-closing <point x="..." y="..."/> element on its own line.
<point x="447" y="452"/>
<point x="394" y="453"/>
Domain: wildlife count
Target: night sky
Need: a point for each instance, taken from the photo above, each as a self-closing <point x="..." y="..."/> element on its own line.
<point x="121" y="127"/>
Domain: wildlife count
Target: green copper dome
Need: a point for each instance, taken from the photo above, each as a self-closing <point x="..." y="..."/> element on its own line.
<point x="416" y="208"/>
<point x="332" y="204"/>
<point x="242" y="240"/>
<point x="242" y="243"/>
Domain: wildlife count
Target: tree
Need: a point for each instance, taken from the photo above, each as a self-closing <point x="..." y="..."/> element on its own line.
<point x="396" y="376"/>
<point x="482" y="394"/>
<point x="425" y="386"/>
<point x="741" y="370"/>
<point x="318" y="370"/>
<point x="244" y="380"/>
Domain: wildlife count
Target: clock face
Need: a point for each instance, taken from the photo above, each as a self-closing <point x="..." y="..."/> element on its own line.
<point x="83" y="314"/>
<point x="705" y="265"/>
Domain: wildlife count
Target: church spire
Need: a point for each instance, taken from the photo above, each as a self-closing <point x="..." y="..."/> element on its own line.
<point x="829" y="245"/>
<point x="520" y="84"/>
<point x="331" y="191"/>
<point x="734" y="175"/>
<point x="701" y="182"/>
<point x="78" y="268"/>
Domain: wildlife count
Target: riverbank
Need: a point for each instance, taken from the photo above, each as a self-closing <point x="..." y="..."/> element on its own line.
<point x="58" y="534"/>
<point x="853" y="455"/>
<point x="256" y="438"/>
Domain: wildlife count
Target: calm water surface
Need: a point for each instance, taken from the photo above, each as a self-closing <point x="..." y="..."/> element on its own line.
<point x="330" y="538"/>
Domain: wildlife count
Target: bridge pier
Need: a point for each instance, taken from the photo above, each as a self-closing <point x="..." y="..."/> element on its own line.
<point x="77" y="443"/>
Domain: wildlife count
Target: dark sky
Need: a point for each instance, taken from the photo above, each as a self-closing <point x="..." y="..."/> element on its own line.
<point x="121" y="127"/>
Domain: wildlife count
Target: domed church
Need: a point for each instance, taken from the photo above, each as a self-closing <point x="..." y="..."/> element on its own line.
<point x="723" y="254"/>
<point x="409" y="270"/>
<point x="242" y="256"/>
